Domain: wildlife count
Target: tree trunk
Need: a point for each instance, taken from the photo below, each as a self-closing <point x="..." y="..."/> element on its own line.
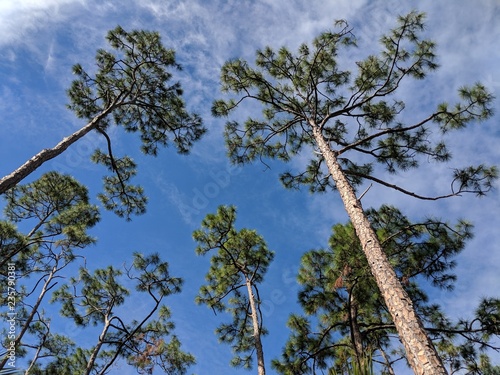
<point x="388" y="363"/>
<point x="356" y="336"/>
<point x="261" y="370"/>
<point x="46" y="287"/>
<point x="35" y="357"/>
<point x="97" y="348"/>
<point x="47" y="154"/>
<point x="420" y="351"/>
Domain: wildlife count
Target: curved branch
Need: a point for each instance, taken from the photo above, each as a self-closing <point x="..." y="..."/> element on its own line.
<point x="400" y="189"/>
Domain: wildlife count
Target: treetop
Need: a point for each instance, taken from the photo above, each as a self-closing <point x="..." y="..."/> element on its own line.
<point x="358" y="112"/>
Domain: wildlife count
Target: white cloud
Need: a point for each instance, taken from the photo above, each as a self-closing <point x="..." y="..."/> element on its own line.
<point x="24" y="17"/>
<point x="49" y="36"/>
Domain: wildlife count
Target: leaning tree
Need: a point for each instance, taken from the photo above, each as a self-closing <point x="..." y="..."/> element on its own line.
<point x="132" y="89"/>
<point x="348" y="122"/>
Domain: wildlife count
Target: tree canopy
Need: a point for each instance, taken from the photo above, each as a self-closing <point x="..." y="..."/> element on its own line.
<point x="131" y="89"/>
<point x="341" y="111"/>
<point x="346" y="323"/>
<point x="359" y="114"/>
<point x="241" y="262"/>
<point x="310" y="103"/>
<point x="56" y="208"/>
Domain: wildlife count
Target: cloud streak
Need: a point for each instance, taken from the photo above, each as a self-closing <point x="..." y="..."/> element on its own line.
<point x="41" y="40"/>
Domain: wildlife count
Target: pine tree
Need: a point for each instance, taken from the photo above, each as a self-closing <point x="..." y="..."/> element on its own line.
<point x="346" y="323"/>
<point x="56" y="214"/>
<point x="131" y="89"/>
<point x="93" y="299"/>
<point x="349" y="123"/>
<point x="56" y="208"/>
<point x="236" y="269"/>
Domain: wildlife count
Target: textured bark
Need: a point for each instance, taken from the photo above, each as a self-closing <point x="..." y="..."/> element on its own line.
<point x="261" y="370"/>
<point x="420" y="351"/>
<point x="47" y="154"/>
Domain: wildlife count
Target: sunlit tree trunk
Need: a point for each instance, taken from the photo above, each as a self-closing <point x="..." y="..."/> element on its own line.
<point x="261" y="370"/>
<point x="420" y="351"/>
<point x="47" y="154"/>
<point x="97" y="348"/>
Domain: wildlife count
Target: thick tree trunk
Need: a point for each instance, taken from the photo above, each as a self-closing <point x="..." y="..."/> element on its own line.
<point x="47" y="154"/>
<point x="261" y="370"/>
<point x="420" y="351"/>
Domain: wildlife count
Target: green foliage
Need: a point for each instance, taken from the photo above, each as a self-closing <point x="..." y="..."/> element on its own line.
<point x="11" y="242"/>
<point x="346" y="320"/>
<point x="58" y="205"/>
<point x="132" y="86"/>
<point x="56" y="208"/>
<point x="485" y="367"/>
<point x="95" y="298"/>
<point x="488" y="314"/>
<point x="241" y="261"/>
<point x="167" y="356"/>
<point x="100" y="293"/>
<point x="58" y="348"/>
<point x="119" y="196"/>
<point x="463" y="344"/>
<point x="358" y="113"/>
<point x="134" y="82"/>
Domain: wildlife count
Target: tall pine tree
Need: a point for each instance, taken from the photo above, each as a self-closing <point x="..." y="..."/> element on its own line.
<point x="56" y="211"/>
<point x="54" y="216"/>
<point x="236" y="269"/>
<point x="348" y="122"/>
<point x="346" y="323"/>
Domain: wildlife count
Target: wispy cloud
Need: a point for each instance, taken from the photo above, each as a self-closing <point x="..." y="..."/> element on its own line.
<point x="41" y="39"/>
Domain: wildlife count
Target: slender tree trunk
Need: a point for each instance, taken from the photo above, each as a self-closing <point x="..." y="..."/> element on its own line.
<point x="97" y="349"/>
<point x="49" y="153"/>
<point x="388" y="364"/>
<point x="35" y="358"/>
<point x="261" y="370"/>
<point x="46" y="287"/>
<point x="356" y="336"/>
<point x="420" y="351"/>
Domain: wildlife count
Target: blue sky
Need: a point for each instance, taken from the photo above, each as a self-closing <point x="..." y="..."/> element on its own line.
<point x="40" y="40"/>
